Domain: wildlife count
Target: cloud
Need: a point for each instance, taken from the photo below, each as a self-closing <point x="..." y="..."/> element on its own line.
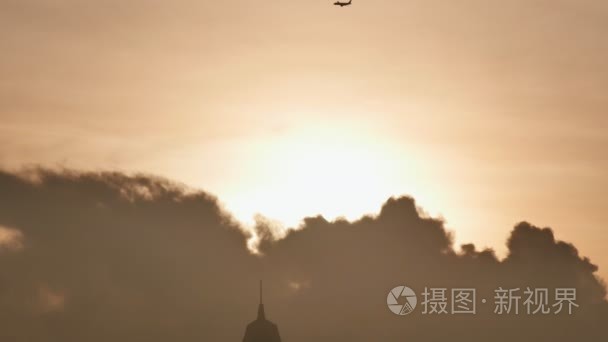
<point x="115" y="257"/>
<point x="10" y="239"/>
<point x="50" y="300"/>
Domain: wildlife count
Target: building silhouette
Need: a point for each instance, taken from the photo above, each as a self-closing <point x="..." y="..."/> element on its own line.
<point x="261" y="330"/>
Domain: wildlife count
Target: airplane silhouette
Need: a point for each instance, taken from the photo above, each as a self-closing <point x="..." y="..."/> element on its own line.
<point x="342" y="4"/>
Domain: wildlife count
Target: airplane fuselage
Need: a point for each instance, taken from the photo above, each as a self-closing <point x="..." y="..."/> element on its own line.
<point x="342" y="4"/>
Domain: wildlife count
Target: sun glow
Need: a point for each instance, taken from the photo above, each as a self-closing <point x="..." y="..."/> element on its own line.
<point x="332" y="171"/>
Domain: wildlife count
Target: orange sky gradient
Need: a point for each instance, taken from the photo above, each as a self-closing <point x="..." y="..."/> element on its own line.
<point x="487" y="112"/>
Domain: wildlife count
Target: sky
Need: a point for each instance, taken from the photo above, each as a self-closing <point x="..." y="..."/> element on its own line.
<point x="488" y="113"/>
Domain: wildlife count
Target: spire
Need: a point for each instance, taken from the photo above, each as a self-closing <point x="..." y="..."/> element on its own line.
<point x="261" y="314"/>
<point x="261" y="330"/>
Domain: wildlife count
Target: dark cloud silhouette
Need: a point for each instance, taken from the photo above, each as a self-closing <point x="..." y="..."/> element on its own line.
<point x="111" y="257"/>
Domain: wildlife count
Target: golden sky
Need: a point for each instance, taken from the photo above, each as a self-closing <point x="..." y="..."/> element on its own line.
<point x="487" y="112"/>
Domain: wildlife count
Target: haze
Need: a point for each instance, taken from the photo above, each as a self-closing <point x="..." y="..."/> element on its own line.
<point x="487" y="112"/>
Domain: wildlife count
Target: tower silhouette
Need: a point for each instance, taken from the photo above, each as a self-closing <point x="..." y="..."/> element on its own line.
<point x="261" y="330"/>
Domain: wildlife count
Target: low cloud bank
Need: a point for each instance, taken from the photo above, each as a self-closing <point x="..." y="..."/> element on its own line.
<point x="111" y="257"/>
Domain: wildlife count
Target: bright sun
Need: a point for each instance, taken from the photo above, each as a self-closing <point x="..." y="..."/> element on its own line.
<point x="319" y="171"/>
